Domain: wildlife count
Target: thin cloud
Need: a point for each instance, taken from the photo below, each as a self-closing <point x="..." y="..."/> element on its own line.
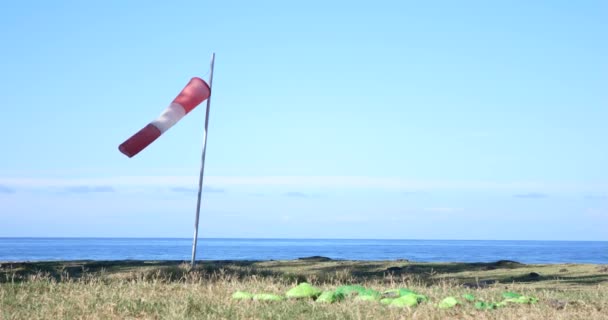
<point x="89" y="189"/>
<point x="296" y="194"/>
<point x="195" y="190"/>
<point x="531" y="195"/>
<point x="6" y="189"/>
<point x="183" y="190"/>
<point x="443" y="209"/>
<point x="410" y="193"/>
<point x="256" y="194"/>
<point x="596" y="196"/>
<point x="597" y="213"/>
<point x="214" y="190"/>
<point x="351" y="182"/>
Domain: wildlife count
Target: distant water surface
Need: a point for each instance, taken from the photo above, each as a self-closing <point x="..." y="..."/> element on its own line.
<point x="46" y="249"/>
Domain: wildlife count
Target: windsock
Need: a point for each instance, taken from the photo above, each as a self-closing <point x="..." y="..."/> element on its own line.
<point x="195" y="92"/>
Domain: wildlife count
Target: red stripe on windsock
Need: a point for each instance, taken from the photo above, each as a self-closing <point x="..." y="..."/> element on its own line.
<point x="139" y="141"/>
<point x="195" y="92"/>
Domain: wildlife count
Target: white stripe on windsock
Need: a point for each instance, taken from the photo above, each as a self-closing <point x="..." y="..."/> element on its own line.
<point x="169" y="117"/>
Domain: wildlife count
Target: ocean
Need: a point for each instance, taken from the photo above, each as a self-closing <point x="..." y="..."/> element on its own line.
<point x="48" y="249"/>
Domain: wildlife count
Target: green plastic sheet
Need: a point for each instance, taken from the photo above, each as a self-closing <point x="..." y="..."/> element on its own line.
<point x="242" y="295"/>
<point x="482" y="305"/>
<point x="469" y="297"/>
<point x="447" y="303"/>
<point x="303" y="291"/>
<point x="330" y="297"/>
<point x="397" y="293"/>
<point x="350" y="290"/>
<point x="395" y="298"/>
<point x="409" y="300"/>
<point x="267" y="297"/>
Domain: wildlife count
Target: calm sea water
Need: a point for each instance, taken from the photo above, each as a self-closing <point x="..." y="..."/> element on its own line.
<point x="44" y="249"/>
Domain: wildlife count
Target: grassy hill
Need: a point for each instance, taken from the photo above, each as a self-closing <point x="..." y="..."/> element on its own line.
<point x="170" y="290"/>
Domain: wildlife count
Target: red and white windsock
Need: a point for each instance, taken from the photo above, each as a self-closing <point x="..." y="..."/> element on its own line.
<point x="195" y="92"/>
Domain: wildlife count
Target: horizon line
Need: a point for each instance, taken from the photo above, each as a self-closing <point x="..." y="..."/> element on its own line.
<point x="297" y="238"/>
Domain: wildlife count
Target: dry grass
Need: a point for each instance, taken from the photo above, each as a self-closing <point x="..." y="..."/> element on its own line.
<point x="169" y="290"/>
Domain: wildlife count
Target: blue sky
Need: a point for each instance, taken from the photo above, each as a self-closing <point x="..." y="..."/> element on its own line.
<point x="341" y="119"/>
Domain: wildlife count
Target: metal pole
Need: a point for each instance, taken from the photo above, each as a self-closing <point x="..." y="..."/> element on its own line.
<point x="200" y="180"/>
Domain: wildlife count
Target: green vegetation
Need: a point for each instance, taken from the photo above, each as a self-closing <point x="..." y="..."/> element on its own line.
<point x="258" y="290"/>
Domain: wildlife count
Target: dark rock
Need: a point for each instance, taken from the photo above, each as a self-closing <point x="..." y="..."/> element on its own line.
<point x="394" y="269"/>
<point x="563" y="270"/>
<point x="507" y="263"/>
<point x="534" y="275"/>
<point x="602" y="268"/>
<point x="72" y="270"/>
<point x="315" y="258"/>
<point x="291" y="278"/>
<point x="480" y="284"/>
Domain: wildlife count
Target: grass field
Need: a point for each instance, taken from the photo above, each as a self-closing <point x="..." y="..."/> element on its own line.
<point x="170" y="290"/>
